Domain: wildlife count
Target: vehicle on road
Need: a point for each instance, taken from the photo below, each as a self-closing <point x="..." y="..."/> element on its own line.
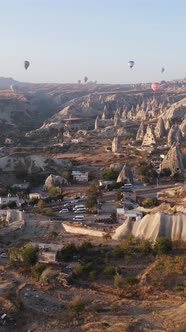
<point x="81" y="210"/>
<point x="79" y="218"/>
<point x="64" y="211"/>
<point x="3" y="255"/>
<point x="79" y="206"/>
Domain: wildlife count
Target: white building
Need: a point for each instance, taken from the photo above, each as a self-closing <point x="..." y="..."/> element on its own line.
<point x="79" y="176"/>
<point x="123" y="214"/>
<point x="7" y="199"/>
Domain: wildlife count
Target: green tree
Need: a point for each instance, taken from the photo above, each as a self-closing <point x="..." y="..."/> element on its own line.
<point x="119" y="195"/>
<point x="91" y="201"/>
<point x="163" y="246"/>
<point x="37" y="269"/>
<point x="93" y="194"/>
<point x="165" y="172"/>
<point x="30" y="254"/>
<point x="40" y="204"/>
<point x="53" y="191"/>
<point x="151" y="202"/>
<point x="109" y="174"/>
<point x="147" y="172"/>
<point x="66" y="253"/>
<point x="12" y="204"/>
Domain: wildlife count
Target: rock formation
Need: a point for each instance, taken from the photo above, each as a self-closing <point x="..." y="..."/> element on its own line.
<point x="174" y="160"/>
<point x="154" y="225"/>
<point x="96" y="124"/>
<point x="32" y="164"/>
<point x="167" y="124"/>
<point x="115" y="144"/>
<point x="54" y="181"/>
<point x="141" y="132"/>
<point x="183" y="128"/>
<point x="160" y="128"/>
<point x="174" y="135"/>
<point x="149" y="137"/>
<point x="116" y="119"/>
<point x="176" y="111"/>
<point x="103" y="116"/>
<point x="126" y="175"/>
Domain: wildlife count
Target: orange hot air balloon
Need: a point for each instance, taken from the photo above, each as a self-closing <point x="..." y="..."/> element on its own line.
<point x="155" y="86"/>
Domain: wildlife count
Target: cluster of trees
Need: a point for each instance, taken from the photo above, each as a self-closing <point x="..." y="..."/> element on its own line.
<point x="94" y="193"/>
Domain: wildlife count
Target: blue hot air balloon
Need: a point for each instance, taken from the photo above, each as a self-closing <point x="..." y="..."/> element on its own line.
<point x="131" y="64"/>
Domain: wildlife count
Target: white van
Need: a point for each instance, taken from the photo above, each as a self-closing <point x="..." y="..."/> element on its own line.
<point x="81" y="210"/>
<point x="80" y="206"/>
<point x="64" y="211"/>
<point x="79" y="218"/>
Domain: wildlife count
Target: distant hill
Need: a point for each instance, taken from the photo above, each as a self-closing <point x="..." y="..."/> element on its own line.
<point x="6" y="82"/>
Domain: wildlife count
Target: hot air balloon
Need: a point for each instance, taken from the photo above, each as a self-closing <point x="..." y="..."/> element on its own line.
<point x="155" y="86"/>
<point x="85" y="79"/>
<point x="131" y="64"/>
<point x="26" y="64"/>
<point x="162" y="70"/>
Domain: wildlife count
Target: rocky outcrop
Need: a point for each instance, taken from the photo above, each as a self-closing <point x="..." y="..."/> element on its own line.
<point x="149" y="138"/>
<point x="174" y="160"/>
<point x="117" y="167"/>
<point x="160" y="128"/>
<point x="141" y="132"/>
<point x="54" y="181"/>
<point x="174" y="135"/>
<point x="115" y="144"/>
<point x="167" y="124"/>
<point x="154" y="225"/>
<point x="183" y="128"/>
<point x="126" y="175"/>
<point x="32" y="164"/>
<point x="96" y="124"/>
<point x="176" y="111"/>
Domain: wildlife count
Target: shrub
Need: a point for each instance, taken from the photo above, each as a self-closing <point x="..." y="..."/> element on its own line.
<point x="30" y="254"/>
<point x="151" y="202"/>
<point x="77" y="305"/>
<point x="118" y="281"/>
<point x="109" y="270"/>
<point x="38" y="269"/>
<point x="48" y="212"/>
<point x="12" y="204"/>
<point x="163" y="246"/>
<point x="165" y="172"/>
<point x="78" y="269"/>
<point x="131" y="281"/>
<point x="145" y="247"/>
<point x="52" y="235"/>
<point x="66" y="253"/>
<point x="92" y="274"/>
<point x="109" y="174"/>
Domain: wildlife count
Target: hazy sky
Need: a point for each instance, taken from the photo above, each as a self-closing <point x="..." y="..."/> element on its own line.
<point x="67" y="39"/>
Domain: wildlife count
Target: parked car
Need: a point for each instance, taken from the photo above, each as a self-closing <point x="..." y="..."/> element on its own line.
<point x="3" y="255"/>
<point x="64" y="211"/>
<point x="129" y="203"/>
<point x="79" y="206"/>
<point x="79" y="218"/>
<point x="81" y="210"/>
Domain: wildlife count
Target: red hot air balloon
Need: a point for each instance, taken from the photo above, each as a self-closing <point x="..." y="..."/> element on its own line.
<point x="155" y="86"/>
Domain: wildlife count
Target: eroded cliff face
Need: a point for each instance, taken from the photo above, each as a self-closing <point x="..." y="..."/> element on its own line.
<point x="32" y="164"/>
<point x="20" y="113"/>
<point x="174" y="160"/>
<point x="154" y="225"/>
